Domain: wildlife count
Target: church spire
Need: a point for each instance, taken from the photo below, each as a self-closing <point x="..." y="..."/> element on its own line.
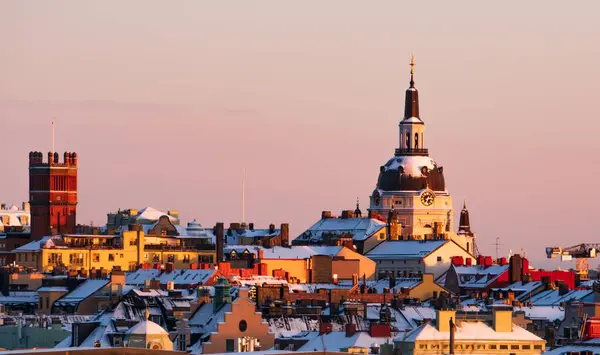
<point x="464" y="225"/>
<point x="411" y="107"/>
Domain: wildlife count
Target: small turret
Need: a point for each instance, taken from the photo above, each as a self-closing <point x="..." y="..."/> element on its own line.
<point x="464" y="225"/>
<point x="357" y="211"/>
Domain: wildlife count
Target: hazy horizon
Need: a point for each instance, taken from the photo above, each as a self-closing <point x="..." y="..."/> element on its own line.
<point x="166" y="104"/>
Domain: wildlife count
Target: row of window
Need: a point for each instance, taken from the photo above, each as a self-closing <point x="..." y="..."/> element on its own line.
<point x="24" y="220"/>
<point x="479" y="346"/>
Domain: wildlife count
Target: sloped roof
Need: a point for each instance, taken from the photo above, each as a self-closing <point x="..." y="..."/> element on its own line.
<point x="404" y="249"/>
<point x="179" y="277"/>
<point x="360" y="228"/>
<point x="294" y="252"/>
<point x="83" y="291"/>
<point x="152" y="214"/>
<point x="335" y="341"/>
<point x="468" y="331"/>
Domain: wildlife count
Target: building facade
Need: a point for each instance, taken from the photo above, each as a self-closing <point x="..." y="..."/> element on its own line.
<point x="411" y="190"/>
<point x="52" y="194"/>
<point x="127" y="251"/>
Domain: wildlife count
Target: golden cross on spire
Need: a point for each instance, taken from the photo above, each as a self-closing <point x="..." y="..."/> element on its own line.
<point x="412" y="65"/>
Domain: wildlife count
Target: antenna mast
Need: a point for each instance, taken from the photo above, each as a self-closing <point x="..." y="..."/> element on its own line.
<point x="244" y="196"/>
<point x="497" y="244"/>
<point x="52" y="136"/>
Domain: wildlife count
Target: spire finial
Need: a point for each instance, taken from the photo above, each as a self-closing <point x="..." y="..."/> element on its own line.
<point x="357" y="203"/>
<point x="465" y="203"/>
<point x="412" y="71"/>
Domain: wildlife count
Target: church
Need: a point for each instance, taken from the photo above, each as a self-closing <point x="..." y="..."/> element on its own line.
<point x="411" y="193"/>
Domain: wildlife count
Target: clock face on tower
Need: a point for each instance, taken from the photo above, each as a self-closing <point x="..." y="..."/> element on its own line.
<point x="427" y="198"/>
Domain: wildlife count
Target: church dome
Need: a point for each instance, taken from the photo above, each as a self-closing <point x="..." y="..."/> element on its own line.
<point x="147" y="327"/>
<point x="411" y="173"/>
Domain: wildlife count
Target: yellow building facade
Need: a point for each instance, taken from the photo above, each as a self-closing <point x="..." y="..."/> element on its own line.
<point x="127" y="251"/>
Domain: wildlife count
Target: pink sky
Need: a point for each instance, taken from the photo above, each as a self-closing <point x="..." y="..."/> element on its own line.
<point x="166" y="102"/>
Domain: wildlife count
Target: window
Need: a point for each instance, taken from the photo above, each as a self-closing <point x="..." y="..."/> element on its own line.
<point x="19" y="257"/>
<point x="121" y="256"/>
<point x="243" y="326"/>
<point x="96" y="257"/>
<point x="504" y="347"/>
<point x="493" y="347"/>
<point x="117" y="341"/>
<point x="422" y="346"/>
<point x="537" y="347"/>
<point x="48" y="302"/>
<point x="514" y="347"/>
<point x="416" y="141"/>
<point x="439" y="259"/>
<point x="526" y="347"/>
<point x="111" y="257"/>
<point x="171" y="258"/>
<point x="229" y="346"/>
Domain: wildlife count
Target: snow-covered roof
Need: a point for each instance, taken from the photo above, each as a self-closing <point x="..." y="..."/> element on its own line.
<point x="294" y="252"/>
<point x="83" y="291"/>
<point x="336" y="341"/>
<point x="35" y="245"/>
<point x="360" y="228"/>
<point x="521" y="288"/>
<point x="19" y="297"/>
<point x="178" y="277"/>
<point x="14" y="214"/>
<point x="400" y="283"/>
<point x="404" y="249"/>
<point x="147" y="327"/>
<point x="478" y="276"/>
<point x="52" y="289"/>
<point x="549" y="313"/>
<point x="412" y="164"/>
<point x="468" y="331"/>
<point x="233" y="236"/>
<point x="554" y="298"/>
<point x="152" y="214"/>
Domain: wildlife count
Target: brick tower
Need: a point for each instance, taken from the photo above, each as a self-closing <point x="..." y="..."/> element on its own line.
<point x="52" y="194"/>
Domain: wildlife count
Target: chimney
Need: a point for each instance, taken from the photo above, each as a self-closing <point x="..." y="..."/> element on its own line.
<point x="515" y="269"/>
<point x="350" y="329"/>
<point x="285" y="234"/>
<point x="251" y="226"/>
<point x="325" y="214"/>
<point x="117" y="277"/>
<point x="502" y="319"/>
<point x="261" y="254"/>
<point x="219" y="233"/>
<point x="325" y="328"/>
<point x="354" y="280"/>
<point x="392" y="280"/>
<point x="563" y="288"/>
<point x="444" y="317"/>
<point x="271" y="228"/>
<point x="452" y="330"/>
<point x="169" y="267"/>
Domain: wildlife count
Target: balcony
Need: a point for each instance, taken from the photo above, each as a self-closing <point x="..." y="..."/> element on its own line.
<point x="409" y="151"/>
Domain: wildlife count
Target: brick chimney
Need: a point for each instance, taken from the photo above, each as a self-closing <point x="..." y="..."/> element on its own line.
<point x="350" y="329"/>
<point x="285" y="234"/>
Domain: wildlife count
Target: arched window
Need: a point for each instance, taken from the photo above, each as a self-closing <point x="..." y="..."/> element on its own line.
<point x="416" y="141"/>
<point x="407" y="140"/>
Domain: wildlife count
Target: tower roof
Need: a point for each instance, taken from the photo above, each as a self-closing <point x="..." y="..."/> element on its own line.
<point x="465" y="224"/>
<point x="411" y="104"/>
